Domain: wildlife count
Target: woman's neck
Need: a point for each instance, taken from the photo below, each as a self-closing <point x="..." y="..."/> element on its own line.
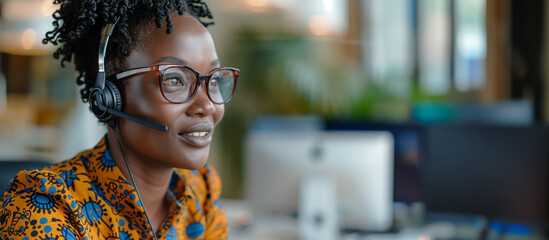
<point x="151" y="180"/>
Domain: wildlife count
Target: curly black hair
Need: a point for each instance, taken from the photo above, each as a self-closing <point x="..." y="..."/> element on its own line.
<point x="78" y="23"/>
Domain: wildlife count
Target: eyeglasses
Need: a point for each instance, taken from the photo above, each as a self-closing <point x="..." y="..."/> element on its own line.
<point x="178" y="84"/>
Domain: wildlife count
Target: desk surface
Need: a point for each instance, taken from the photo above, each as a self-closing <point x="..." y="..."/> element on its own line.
<point x="246" y="226"/>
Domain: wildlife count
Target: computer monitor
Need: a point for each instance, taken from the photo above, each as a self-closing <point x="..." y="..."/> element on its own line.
<point x="407" y="155"/>
<point x="500" y="172"/>
<point x="360" y="163"/>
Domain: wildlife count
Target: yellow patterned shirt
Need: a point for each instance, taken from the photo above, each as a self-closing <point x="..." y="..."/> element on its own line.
<point x="87" y="197"/>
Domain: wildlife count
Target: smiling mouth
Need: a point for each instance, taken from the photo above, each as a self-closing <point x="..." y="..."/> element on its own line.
<point x="197" y="134"/>
<point x="198" y="137"/>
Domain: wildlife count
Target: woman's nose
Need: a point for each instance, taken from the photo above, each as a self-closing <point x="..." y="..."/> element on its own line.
<point x="200" y="104"/>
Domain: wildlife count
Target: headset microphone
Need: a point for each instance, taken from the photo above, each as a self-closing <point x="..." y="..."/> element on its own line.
<point x="151" y="124"/>
<point x="105" y="98"/>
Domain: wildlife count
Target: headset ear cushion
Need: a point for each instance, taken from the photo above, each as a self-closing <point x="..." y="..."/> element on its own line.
<point x="112" y="99"/>
<point x="115" y="98"/>
<point x="109" y="97"/>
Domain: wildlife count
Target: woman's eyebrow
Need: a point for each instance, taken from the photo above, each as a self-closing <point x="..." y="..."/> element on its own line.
<point x="172" y="59"/>
<point x="177" y="60"/>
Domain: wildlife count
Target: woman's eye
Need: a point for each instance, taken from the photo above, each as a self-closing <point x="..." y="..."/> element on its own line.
<point x="214" y="82"/>
<point x="173" y="82"/>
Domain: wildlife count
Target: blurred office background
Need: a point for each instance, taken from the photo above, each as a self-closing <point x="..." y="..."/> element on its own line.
<point x="395" y="65"/>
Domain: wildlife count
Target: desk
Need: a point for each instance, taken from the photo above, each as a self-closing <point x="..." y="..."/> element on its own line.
<point x="245" y="226"/>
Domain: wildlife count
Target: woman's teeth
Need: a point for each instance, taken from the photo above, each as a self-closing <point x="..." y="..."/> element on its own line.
<point x="198" y="134"/>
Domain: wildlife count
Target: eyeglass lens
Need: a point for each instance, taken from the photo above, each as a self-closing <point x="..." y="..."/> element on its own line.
<point x="178" y="84"/>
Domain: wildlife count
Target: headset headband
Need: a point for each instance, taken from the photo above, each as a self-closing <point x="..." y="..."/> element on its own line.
<point x="105" y="34"/>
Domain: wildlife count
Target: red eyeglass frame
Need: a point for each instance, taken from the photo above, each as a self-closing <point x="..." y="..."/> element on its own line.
<point x="160" y="69"/>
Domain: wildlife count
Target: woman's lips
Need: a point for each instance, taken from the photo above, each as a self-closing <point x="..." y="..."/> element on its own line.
<point x="198" y="136"/>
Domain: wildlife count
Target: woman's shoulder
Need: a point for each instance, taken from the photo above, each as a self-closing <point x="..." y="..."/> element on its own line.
<point x="77" y="165"/>
<point x="47" y="196"/>
<point x="49" y="178"/>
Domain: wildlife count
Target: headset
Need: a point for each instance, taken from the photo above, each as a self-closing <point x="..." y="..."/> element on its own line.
<point x="106" y="105"/>
<point x="105" y="98"/>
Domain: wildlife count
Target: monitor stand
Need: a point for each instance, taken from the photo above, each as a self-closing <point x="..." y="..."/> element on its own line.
<point x="485" y="231"/>
<point x="317" y="214"/>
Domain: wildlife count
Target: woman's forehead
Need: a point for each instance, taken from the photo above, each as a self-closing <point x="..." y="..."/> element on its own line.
<point x="190" y="43"/>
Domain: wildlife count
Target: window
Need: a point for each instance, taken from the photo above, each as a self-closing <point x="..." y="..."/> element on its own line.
<point x="470" y="45"/>
<point x="444" y="40"/>
<point x="434" y="46"/>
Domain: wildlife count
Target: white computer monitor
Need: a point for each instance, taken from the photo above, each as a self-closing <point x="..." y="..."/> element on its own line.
<point x="359" y="162"/>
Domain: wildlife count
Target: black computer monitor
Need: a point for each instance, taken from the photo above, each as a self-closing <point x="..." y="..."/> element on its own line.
<point x="500" y="172"/>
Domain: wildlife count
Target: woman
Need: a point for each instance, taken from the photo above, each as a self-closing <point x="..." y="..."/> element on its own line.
<point x="162" y="75"/>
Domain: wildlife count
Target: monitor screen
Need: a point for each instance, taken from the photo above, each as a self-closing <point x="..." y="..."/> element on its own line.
<point x="360" y="163"/>
<point x="499" y="172"/>
<point x="407" y="154"/>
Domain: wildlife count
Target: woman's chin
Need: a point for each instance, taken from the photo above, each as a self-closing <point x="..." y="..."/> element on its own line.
<point x="193" y="163"/>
